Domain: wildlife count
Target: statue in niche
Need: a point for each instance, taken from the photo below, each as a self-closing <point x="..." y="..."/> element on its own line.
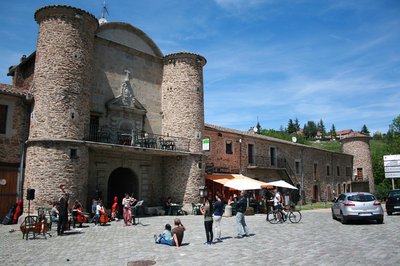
<point x="126" y="91"/>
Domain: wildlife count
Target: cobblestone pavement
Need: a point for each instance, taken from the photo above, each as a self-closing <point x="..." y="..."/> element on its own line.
<point x="316" y="240"/>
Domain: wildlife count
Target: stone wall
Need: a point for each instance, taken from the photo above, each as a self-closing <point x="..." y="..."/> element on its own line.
<point x="111" y="61"/>
<point x="359" y="147"/>
<point x="50" y="164"/>
<point x="63" y="72"/>
<point x="146" y="171"/>
<point x="182" y="98"/>
<point x="318" y="184"/>
<point x="182" y="177"/>
<point x="16" y="129"/>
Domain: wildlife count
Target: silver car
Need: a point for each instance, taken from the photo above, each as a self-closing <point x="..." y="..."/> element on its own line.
<point x="357" y="206"/>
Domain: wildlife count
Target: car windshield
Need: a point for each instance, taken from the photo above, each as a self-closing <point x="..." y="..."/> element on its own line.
<point x="394" y="193"/>
<point x="361" y="198"/>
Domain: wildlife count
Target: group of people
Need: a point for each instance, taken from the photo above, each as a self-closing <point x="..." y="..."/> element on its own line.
<point x="171" y="237"/>
<point x="213" y="212"/>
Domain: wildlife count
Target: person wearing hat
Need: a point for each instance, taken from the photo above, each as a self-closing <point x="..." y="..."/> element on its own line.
<point x="63" y="212"/>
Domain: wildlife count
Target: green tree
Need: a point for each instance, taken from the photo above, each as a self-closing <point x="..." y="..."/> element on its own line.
<point x="395" y="126"/>
<point x="365" y="130"/>
<point x="332" y="132"/>
<point x="321" y="127"/>
<point x="297" y="124"/>
<point x="291" y="127"/>
<point x="310" y="129"/>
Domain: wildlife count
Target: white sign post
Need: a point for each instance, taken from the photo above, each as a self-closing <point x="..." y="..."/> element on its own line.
<point x="392" y="167"/>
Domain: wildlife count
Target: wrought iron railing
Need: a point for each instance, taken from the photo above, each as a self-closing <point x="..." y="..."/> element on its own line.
<point x="138" y="139"/>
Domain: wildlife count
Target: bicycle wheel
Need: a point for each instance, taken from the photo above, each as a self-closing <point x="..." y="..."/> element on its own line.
<point x="295" y="216"/>
<point x="272" y="217"/>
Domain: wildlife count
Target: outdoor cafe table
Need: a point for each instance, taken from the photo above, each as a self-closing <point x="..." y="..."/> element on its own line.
<point x="175" y="209"/>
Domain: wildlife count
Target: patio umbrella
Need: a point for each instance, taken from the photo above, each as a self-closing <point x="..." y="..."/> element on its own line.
<point x="281" y="183"/>
<point x="243" y="184"/>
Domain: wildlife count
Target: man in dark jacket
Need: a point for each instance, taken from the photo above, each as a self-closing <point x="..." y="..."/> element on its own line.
<point x="63" y="212"/>
<point x="241" y="206"/>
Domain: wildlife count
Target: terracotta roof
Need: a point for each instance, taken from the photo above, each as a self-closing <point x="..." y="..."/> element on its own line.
<point x="250" y="134"/>
<point x="343" y="132"/>
<point x="355" y="135"/>
<point x="11" y="90"/>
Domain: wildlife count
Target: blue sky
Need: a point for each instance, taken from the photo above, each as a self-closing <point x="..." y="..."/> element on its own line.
<point x="338" y="61"/>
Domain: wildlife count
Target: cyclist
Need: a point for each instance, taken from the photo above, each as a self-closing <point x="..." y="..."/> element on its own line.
<point x="278" y="204"/>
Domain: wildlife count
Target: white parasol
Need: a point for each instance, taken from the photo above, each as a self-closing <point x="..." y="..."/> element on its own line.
<point x="243" y="184"/>
<point x="281" y="183"/>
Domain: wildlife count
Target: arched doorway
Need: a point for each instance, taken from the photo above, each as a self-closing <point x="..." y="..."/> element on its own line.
<point x="121" y="181"/>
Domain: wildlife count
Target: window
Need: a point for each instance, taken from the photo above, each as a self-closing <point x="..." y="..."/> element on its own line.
<point x="328" y="170"/>
<point x="3" y="118"/>
<point x="250" y="150"/>
<point x="297" y="167"/>
<point x="73" y="153"/>
<point x="315" y="169"/>
<point x="272" y="154"/>
<point x="338" y="170"/>
<point x="228" y="147"/>
<point x="94" y="127"/>
<point x="359" y="173"/>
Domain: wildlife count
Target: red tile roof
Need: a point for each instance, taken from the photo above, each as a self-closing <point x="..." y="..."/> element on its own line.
<point x="11" y="90"/>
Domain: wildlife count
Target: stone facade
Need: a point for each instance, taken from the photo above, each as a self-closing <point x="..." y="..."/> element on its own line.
<point x="357" y="144"/>
<point x="16" y="128"/>
<point x="319" y="172"/>
<point x="112" y="80"/>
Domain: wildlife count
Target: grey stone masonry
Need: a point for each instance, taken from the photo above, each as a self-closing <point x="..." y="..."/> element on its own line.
<point x="357" y="145"/>
<point x="62" y="76"/>
<point x="182" y="97"/>
<point x="50" y="164"/>
<point x="63" y="71"/>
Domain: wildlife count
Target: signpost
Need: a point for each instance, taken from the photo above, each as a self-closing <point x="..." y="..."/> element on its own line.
<point x="392" y="167"/>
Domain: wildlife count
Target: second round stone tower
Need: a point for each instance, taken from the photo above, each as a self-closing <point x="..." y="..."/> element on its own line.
<point x="357" y="144"/>
<point x="60" y="117"/>
<point x="183" y="117"/>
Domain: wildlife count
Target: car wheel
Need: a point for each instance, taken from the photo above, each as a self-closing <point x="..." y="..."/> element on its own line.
<point x="343" y="218"/>
<point x="379" y="221"/>
<point x="389" y="213"/>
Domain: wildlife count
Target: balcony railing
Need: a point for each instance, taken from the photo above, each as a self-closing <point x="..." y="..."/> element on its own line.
<point x="138" y="139"/>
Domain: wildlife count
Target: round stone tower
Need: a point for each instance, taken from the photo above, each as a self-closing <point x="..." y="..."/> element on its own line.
<point x="357" y="144"/>
<point x="60" y="118"/>
<point x="182" y="97"/>
<point x="183" y="117"/>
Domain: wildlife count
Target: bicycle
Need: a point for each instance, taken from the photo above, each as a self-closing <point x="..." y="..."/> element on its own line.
<point x="280" y="216"/>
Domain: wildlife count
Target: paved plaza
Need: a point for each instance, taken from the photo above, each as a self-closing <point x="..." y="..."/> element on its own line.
<point x="316" y="240"/>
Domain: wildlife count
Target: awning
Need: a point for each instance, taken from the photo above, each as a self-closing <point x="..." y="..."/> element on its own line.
<point x="281" y="183"/>
<point x="238" y="182"/>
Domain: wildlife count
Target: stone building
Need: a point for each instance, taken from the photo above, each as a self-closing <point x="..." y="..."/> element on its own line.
<point x="110" y="113"/>
<point x="322" y="174"/>
<point x="100" y="109"/>
<point x="357" y="144"/>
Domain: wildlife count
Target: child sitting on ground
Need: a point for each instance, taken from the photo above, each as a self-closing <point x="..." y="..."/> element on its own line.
<point x="166" y="237"/>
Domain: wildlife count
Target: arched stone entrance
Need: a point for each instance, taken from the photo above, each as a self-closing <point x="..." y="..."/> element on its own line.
<point x="121" y="181"/>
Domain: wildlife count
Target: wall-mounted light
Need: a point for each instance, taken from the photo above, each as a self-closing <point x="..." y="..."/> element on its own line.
<point x="203" y="191"/>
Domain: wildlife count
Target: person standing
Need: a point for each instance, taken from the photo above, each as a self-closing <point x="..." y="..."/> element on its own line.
<point x="217" y="215"/>
<point x="114" y="209"/>
<point x="208" y="220"/>
<point x="63" y="212"/>
<point x="241" y="205"/>
<point x="127" y="203"/>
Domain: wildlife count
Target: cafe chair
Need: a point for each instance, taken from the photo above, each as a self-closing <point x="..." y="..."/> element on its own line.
<point x="195" y="209"/>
